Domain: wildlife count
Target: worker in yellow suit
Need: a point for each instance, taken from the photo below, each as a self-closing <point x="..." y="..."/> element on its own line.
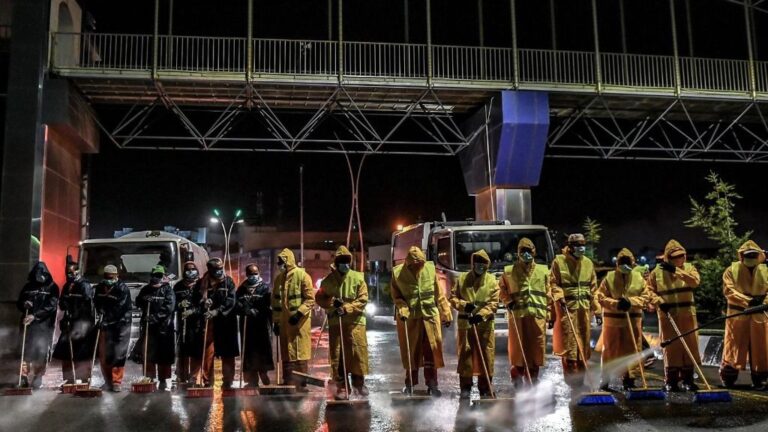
<point x="344" y="294"/>
<point x="293" y="298"/>
<point x="671" y="285"/>
<point x="745" y="284"/>
<point x="525" y="292"/>
<point x="623" y="295"/>
<point x="475" y="295"/>
<point x="421" y="310"/>
<point x="572" y="282"/>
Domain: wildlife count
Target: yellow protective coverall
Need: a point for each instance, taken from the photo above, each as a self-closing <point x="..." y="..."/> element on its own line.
<point x="293" y="298"/>
<point x="526" y="293"/>
<point x="349" y="288"/>
<point x="673" y="290"/>
<point x="746" y="338"/>
<point x="480" y="293"/>
<point x="574" y="281"/>
<point x="421" y="309"/>
<point x="618" y="341"/>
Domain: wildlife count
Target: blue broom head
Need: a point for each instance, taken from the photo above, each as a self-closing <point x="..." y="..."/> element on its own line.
<point x="709" y="396"/>
<point x="646" y="394"/>
<point x="597" y="398"/>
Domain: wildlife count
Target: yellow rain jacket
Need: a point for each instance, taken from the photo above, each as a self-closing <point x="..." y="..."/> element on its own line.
<point x="746" y="338"/>
<point x="483" y="292"/>
<point x="352" y="290"/>
<point x="676" y="289"/>
<point x="418" y="297"/>
<point x="293" y="292"/>
<point x="528" y="286"/>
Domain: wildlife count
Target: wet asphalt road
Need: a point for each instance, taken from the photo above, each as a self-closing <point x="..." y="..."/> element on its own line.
<point x="533" y="410"/>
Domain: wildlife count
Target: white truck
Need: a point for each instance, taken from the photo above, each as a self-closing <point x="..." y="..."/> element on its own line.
<point x="134" y="255"/>
<point x="450" y="246"/>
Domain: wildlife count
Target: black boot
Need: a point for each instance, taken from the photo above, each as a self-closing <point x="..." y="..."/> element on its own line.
<point x="671" y="378"/>
<point x="758" y="381"/>
<point x="688" y="382"/>
<point x="628" y="383"/>
<point x="729" y="375"/>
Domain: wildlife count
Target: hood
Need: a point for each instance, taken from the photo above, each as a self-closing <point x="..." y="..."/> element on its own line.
<point x="415" y="254"/>
<point x="480" y="255"/>
<point x="288" y="258"/>
<point x="625" y="253"/>
<point x="342" y="251"/>
<point x="39" y="269"/>
<point x="525" y="243"/>
<point x="672" y="247"/>
<point x="750" y="245"/>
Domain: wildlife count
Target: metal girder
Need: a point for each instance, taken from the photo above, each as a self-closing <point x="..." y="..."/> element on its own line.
<point x="593" y="131"/>
<point x="427" y="126"/>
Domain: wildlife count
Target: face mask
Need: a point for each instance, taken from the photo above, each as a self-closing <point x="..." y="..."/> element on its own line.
<point x="750" y="262"/>
<point x="254" y="279"/>
<point x="218" y="274"/>
<point x="40" y="277"/>
<point x="281" y="266"/>
<point x="625" y="268"/>
<point x="109" y="282"/>
<point x="527" y="257"/>
<point x="71" y="277"/>
<point x="155" y="280"/>
<point x="190" y="275"/>
<point x="578" y="251"/>
<point x="480" y="268"/>
<point x="343" y="268"/>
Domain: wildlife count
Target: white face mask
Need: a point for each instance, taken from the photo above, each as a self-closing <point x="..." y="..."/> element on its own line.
<point x="578" y="251"/>
<point x="625" y="268"/>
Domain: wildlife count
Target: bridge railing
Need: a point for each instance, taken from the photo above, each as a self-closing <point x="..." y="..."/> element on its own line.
<point x="567" y="69"/>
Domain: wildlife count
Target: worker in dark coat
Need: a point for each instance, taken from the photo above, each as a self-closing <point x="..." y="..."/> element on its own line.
<point x="78" y="332"/>
<point x="37" y="301"/>
<point x="156" y="300"/>
<point x="187" y="328"/>
<point x="253" y="307"/>
<point x="214" y="301"/>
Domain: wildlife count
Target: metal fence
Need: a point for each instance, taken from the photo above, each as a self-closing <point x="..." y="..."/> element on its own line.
<point x="557" y="67"/>
<point x="193" y="54"/>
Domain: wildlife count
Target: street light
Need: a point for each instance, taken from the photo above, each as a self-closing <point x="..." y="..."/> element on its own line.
<point x="227" y="235"/>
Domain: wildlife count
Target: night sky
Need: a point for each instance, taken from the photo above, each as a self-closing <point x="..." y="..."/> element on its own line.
<point x="641" y="204"/>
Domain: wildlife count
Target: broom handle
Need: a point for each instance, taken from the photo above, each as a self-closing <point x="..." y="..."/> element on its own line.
<point x="317" y="344"/>
<point x="578" y="345"/>
<point x="72" y="355"/>
<point x="522" y="350"/>
<point x="485" y="367"/>
<point x="279" y="361"/>
<point x="408" y="348"/>
<point x="95" y="349"/>
<point x="688" y="350"/>
<point x="242" y="349"/>
<point x="202" y="363"/>
<point x="146" y="339"/>
<point x="343" y="356"/>
<point x="23" y="345"/>
<point x="637" y="350"/>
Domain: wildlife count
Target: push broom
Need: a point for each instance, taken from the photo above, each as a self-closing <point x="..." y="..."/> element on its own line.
<point x="644" y="393"/>
<point x="279" y="388"/>
<point x="19" y="390"/>
<point x="200" y="391"/>
<point x="71" y="388"/>
<point x="91" y="391"/>
<point x="398" y="397"/>
<point x="701" y="396"/>
<point x="145" y="384"/>
<point x="493" y="400"/>
<point x="310" y="379"/>
<point x="749" y="311"/>
<point x="593" y="397"/>
<point x="349" y="402"/>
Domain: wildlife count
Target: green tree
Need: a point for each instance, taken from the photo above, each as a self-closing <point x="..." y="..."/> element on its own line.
<point x="592" y="234"/>
<point x="714" y="215"/>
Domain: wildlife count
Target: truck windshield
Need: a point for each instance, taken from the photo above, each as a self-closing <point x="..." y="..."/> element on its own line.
<point x="134" y="260"/>
<point x="500" y="245"/>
